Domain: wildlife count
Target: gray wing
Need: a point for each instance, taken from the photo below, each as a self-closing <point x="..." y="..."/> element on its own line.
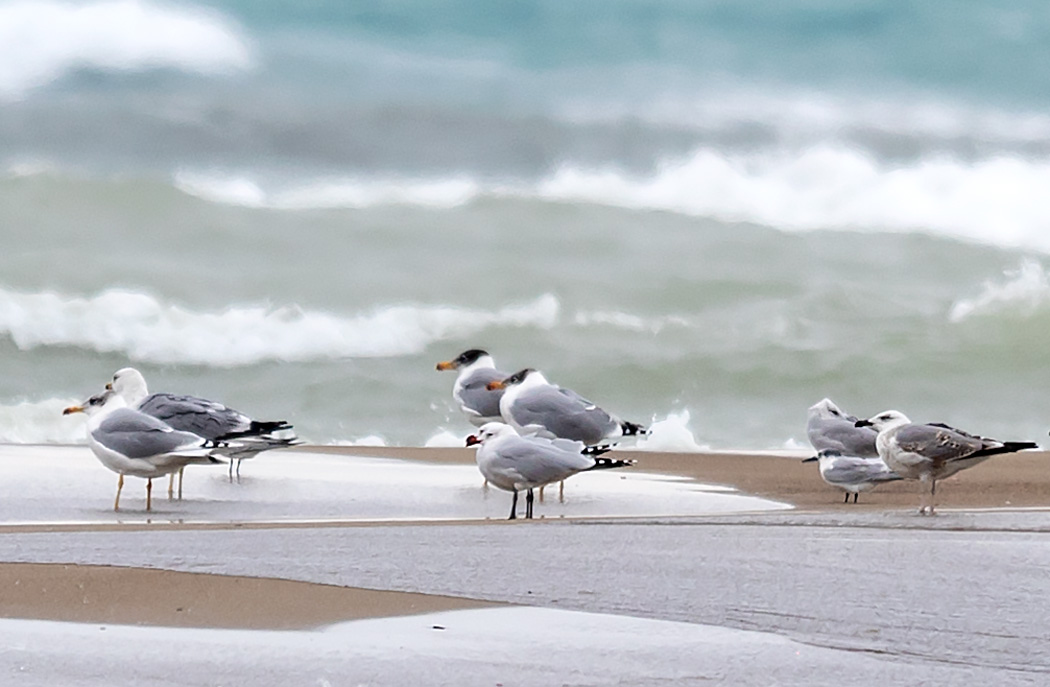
<point x="204" y="418"/>
<point x="938" y="443"/>
<point x="475" y="397"/>
<point x="835" y="434"/>
<point x="137" y="435"/>
<point x="846" y="471"/>
<point x="563" y="413"/>
<point x="540" y="461"/>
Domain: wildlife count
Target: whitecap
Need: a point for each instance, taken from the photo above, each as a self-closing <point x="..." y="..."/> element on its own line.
<point x="41" y="422"/>
<point x="146" y="328"/>
<point x="672" y="434"/>
<point x="1024" y="290"/>
<point x="41" y="40"/>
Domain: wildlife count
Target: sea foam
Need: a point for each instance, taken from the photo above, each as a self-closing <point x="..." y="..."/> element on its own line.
<point x="1024" y="291"/>
<point x="41" y="422"/>
<point x="146" y="328"/>
<point x="997" y="200"/>
<point x="40" y="41"/>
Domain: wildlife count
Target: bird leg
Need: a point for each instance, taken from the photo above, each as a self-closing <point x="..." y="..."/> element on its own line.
<point x="239" y="469"/>
<point x="171" y="485"/>
<point x="561" y="491"/>
<point x="514" y="506"/>
<point x="924" y="496"/>
<point x="847" y="498"/>
<point x="181" y="470"/>
<point x="120" y="485"/>
<point x="231" y="469"/>
<point x="149" y="494"/>
<point x="541" y="492"/>
<point x="933" y="495"/>
<point x="855" y="495"/>
<point x="528" y="505"/>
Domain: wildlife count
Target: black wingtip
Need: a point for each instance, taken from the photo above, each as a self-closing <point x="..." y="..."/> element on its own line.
<point x="597" y="450"/>
<point x="610" y="463"/>
<point x="631" y="429"/>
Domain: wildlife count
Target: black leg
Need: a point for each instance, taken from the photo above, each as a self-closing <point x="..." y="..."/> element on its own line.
<point x="514" y="506"/>
<point x="528" y="505"/>
<point x="855" y="497"/>
<point x="847" y="498"/>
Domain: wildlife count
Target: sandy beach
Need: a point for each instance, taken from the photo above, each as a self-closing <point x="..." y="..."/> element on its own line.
<point x="329" y="537"/>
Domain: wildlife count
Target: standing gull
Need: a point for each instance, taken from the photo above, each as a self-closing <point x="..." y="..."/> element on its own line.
<point x="852" y="474"/>
<point x="513" y="462"/>
<point x="477" y="401"/>
<point x="931" y="452"/>
<point x="831" y="429"/>
<point x="213" y="421"/>
<point x="532" y="405"/>
<point x="129" y="442"/>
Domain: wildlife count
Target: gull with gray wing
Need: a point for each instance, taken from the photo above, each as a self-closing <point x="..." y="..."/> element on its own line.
<point x="213" y="421"/>
<point x="829" y="428"/>
<point x="852" y="474"/>
<point x="129" y="442"/>
<point x="513" y="462"/>
<point x="931" y="452"/>
<point x="471" y="391"/>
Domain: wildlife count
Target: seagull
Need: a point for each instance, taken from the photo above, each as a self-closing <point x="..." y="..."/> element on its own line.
<point x="933" y="451"/>
<point x="852" y="474"/>
<point x="213" y="421"/>
<point x="513" y="462"/>
<point x="476" y="369"/>
<point x="129" y="442"/>
<point x="532" y="405"/>
<point x="831" y="429"/>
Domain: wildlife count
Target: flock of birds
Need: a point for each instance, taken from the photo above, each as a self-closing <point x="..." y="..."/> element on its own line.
<point x="857" y="455"/>
<point x="531" y="433"/>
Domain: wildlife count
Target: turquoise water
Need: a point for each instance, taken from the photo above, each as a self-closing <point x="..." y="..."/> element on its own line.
<point x="700" y="211"/>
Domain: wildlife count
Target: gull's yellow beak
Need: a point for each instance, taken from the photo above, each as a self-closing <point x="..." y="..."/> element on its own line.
<point x="73" y="409"/>
<point x="446" y="365"/>
<point x="495" y="384"/>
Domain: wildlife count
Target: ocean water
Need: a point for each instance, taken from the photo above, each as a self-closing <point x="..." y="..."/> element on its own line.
<point x="698" y="214"/>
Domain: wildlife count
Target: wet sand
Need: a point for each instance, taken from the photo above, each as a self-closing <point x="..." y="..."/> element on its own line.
<point x="1019" y="480"/>
<point x="138" y="596"/>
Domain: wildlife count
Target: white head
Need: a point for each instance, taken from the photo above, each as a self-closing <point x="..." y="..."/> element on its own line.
<point x="130" y="384"/>
<point x="489" y="431"/>
<point x="104" y="402"/>
<point x="826" y="410"/>
<point x="887" y="419"/>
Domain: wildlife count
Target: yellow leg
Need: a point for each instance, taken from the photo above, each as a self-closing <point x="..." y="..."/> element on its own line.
<point x="541" y="492"/>
<point x="120" y="485"/>
<point x="180" y="481"/>
<point x="149" y="494"/>
<point x="171" y="486"/>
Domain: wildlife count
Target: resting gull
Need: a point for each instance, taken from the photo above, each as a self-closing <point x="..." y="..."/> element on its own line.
<point x="476" y="369"/>
<point x="513" y="462"/>
<point x="831" y="429"/>
<point x="931" y="452"/>
<point x="129" y="442"/>
<point x="213" y="421"/>
<point x="852" y="474"/>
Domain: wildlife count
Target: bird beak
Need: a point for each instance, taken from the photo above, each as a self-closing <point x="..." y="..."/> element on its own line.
<point x="811" y="459"/>
<point x="473" y="440"/>
<point x="862" y="423"/>
<point x="109" y="386"/>
<point x="495" y="384"/>
<point x="73" y="409"/>
<point x="446" y="365"/>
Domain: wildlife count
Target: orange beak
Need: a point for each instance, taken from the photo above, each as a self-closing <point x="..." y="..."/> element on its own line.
<point x="73" y="409"/>
<point x="446" y="365"/>
<point x="473" y="440"/>
<point x="495" y="384"/>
